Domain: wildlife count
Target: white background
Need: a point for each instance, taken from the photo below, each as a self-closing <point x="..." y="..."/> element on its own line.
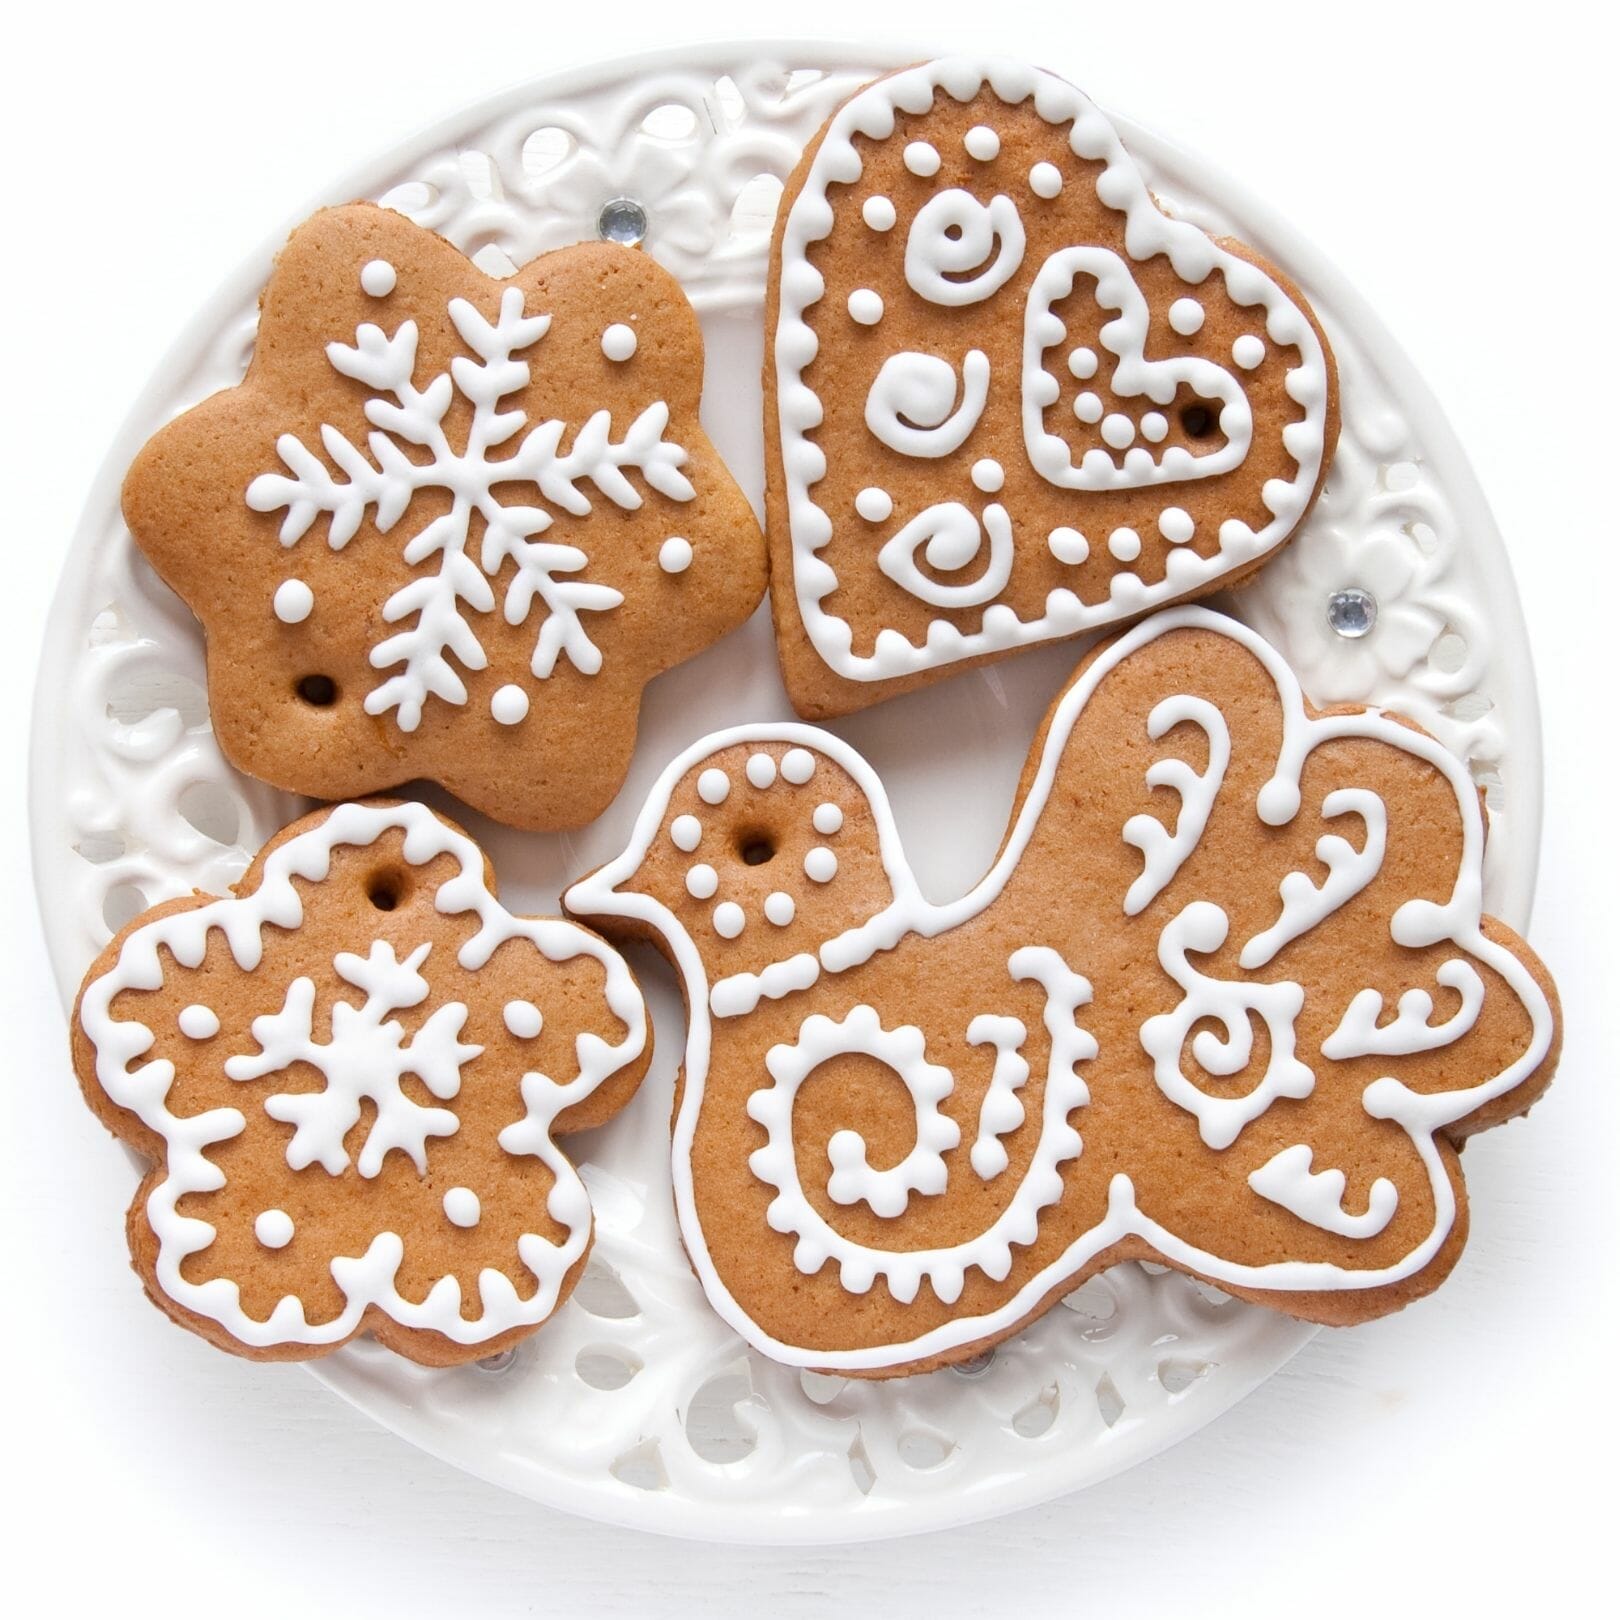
<point x="1462" y="173"/>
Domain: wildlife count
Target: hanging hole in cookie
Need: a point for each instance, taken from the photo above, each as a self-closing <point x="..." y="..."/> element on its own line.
<point x="1198" y="421"/>
<point x="756" y="848"/>
<point x="318" y="691"/>
<point x="385" y="890"/>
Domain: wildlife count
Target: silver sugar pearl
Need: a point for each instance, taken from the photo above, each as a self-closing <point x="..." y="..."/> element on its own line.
<point x="499" y="1362"/>
<point x="622" y="220"/>
<point x="977" y="1367"/>
<point x="1352" y="612"/>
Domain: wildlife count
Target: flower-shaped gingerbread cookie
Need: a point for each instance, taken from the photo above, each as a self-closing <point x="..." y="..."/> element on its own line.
<point x="1226" y="1001"/>
<point x="1010" y="399"/>
<point x="350" y="1077"/>
<point x="448" y="526"/>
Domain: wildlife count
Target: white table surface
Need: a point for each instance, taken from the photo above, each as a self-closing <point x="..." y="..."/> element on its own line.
<point x="1460" y="1454"/>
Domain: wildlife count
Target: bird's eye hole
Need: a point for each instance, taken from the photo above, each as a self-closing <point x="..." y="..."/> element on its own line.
<point x="1198" y="421"/>
<point x="756" y="849"/>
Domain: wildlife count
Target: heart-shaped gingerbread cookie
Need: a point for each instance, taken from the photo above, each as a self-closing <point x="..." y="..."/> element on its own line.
<point x="1009" y="399"/>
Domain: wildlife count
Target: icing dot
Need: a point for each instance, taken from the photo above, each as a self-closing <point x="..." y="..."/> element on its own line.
<point x="988" y="476"/>
<point x="198" y="1022"/>
<point x="619" y="341"/>
<point x="1088" y="407"/>
<point x="293" y="601"/>
<point x="686" y="832"/>
<point x="779" y="908"/>
<point x="1154" y="426"/>
<point x="273" y="1228"/>
<point x="523" y="1018"/>
<point x="509" y="704"/>
<point x="675" y="555"/>
<point x="378" y="279"/>
<point x="1068" y="545"/>
<point x="922" y="159"/>
<point x="1248" y="351"/>
<point x="1125" y="544"/>
<point x="1083" y="363"/>
<point x="1046" y="180"/>
<point x="878" y="212"/>
<point x="728" y="919"/>
<point x="1186" y="316"/>
<point x="461" y="1206"/>
<point x="1176" y="525"/>
<point x="798" y="766"/>
<point x="702" y="881"/>
<point x="761" y="770"/>
<point x="1117" y="430"/>
<point x="982" y="143"/>
<point x="865" y="306"/>
<point x="820" y="865"/>
<point x="713" y="786"/>
<point x="874" y="504"/>
<point x="828" y="818"/>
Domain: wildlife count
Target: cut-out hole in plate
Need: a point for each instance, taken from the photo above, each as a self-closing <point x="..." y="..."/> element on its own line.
<point x="1180" y="1376"/>
<point x="729" y="99"/>
<point x="714" y="1428"/>
<point x="479" y="175"/>
<point x="641" y="1467"/>
<point x="501" y="1361"/>
<point x="100" y="847"/>
<point x="606" y="1367"/>
<point x="1109" y="1401"/>
<point x="602" y="1294"/>
<point x="822" y="1388"/>
<point x="925" y="1448"/>
<point x="152" y="691"/>
<point x="212" y="810"/>
<point x="860" y="1467"/>
<point x="1033" y="1420"/>
<point x="495" y="261"/>
<point x="413" y="197"/>
<point x="1096" y="1304"/>
<point x="670" y="121"/>
<point x="124" y="902"/>
<point x="754" y="211"/>
<point x="977" y="1367"/>
<point x="1449" y="653"/>
<point x="544" y="149"/>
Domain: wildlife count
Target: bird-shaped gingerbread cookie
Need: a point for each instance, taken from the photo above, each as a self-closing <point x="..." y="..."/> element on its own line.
<point x="1226" y="1001"/>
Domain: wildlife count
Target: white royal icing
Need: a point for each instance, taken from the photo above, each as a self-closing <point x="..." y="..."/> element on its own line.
<point x="1317" y="1196"/>
<point x="273" y="1228"/>
<point x="1164" y="852"/>
<point x="912" y="404"/>
<point x="619" y="342"/>
<point x="675" y="555"/>
<point x="378" y="278"/>
<point x="523" y="1019"/>
<point x="197" y="1022"/>
<point x="462" y="1206"/>
<point x="509" y="704"/>
<point x="1198" y="927"/>
<point x="381" y="1054"/>
<point x="407" y="420"/>
<point x="293" y="602"/>
<point x="962" y="250"/>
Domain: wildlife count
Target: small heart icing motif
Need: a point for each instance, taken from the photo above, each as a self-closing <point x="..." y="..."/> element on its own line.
<point x="1013" y="399"/>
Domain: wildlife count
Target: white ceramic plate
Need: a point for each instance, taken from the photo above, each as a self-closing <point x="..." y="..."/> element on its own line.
<point x="635" y="1405"/>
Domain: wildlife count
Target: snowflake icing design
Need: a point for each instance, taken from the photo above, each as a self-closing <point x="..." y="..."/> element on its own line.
<point x="365" y="1060"/>
<point x="400" y="413"/>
